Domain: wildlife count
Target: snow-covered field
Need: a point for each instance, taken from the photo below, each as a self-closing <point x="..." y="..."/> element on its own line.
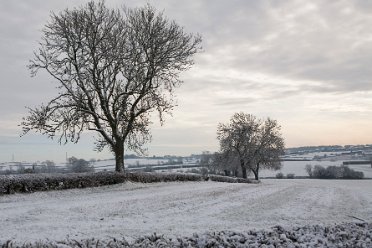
<point x="298" y="168"/>
<point x="131" y="210"/>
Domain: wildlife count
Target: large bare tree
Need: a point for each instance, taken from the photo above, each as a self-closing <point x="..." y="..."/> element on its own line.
<point x="253" y="142"/>
<point x="114" y="68"/>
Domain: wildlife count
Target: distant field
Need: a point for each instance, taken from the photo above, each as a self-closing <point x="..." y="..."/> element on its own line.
<point x="296" y="167"/>
<point x="132" y="210"/>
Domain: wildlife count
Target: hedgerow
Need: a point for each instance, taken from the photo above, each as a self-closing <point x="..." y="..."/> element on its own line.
<point x="341" y="235"/>
<point x="25" y="183"/>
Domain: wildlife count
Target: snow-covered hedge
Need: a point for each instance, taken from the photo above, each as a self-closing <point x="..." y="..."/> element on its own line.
<point x="343" y="235"/>
<point x="22" y="183"/>
<point x="226" y="179"/>
<point x="41" y="182"/>
<point x="154" y="177"/>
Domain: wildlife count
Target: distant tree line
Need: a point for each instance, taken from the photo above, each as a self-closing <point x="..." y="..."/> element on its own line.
<point x="47" y="166"/>
<point x="74" y="165"/>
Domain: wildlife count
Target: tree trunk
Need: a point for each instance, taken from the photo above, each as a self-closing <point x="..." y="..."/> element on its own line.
<point x="119" y="157"/>
<point x="255" y="171"/>
<point x="244" y="170"/>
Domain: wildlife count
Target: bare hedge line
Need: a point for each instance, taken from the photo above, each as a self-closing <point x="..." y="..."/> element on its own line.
<point x="26" y="183"/>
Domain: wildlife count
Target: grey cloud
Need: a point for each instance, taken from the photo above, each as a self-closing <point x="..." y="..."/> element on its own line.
<point x="213" y="83"/>
<point x="305" y="44"/>
<point x="235" y="101"/>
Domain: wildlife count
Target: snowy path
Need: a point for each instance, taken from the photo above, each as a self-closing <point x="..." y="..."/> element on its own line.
<point x="132" y="210"/>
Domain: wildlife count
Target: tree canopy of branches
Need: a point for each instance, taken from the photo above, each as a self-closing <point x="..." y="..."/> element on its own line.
<point x="114" y="69"/>
<point x="225" y="163"/>
<point x="251" y="142"/>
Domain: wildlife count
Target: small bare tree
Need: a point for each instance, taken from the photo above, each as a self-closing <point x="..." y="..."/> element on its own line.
<point x="114" y="69"/>
<point x="254" y="143"/>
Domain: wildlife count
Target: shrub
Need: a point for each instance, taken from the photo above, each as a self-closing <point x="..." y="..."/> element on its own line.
<point x="319" y="172"/>
<point x="80" y="165"/>
<point x="335" y="172"/>
<point x="351" y="174"/>
<point x="290" y="176"/>
<point x="279" y="175"/>
<point x="308" y="169"/>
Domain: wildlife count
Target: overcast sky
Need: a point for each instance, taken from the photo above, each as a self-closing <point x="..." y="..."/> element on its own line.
<point x="307" y="64"/>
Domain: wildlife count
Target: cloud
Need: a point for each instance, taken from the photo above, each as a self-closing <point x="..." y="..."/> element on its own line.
<point x="298" y="62"/>
<point x="321" y="41"/>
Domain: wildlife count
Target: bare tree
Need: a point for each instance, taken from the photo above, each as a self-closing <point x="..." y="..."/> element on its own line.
<point x="114" y="69"/>
<point x="269" y="148"/>
<point x="254" y="143"/>
<point x="238" y="139"/>
<point x="309" y="170"/>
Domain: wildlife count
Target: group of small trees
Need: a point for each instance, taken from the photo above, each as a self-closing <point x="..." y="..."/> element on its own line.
<point x="79" y="165"/>
<point x="333" y="172"/>
<point x="248" y="144"/>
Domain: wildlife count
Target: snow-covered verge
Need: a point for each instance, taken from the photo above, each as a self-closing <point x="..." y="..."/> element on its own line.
<point x="134" y="210"/>
<point x="342" y="235"/>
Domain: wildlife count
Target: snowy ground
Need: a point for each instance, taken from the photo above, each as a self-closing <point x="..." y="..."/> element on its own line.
<point x="133" y="210"/>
